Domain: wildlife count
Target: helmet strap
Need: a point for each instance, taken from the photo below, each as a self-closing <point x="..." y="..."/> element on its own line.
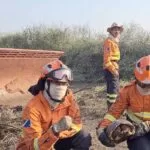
<point x="140" y="84"/>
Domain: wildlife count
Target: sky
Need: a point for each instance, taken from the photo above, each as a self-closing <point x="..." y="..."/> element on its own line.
<point x="16" y="15"/>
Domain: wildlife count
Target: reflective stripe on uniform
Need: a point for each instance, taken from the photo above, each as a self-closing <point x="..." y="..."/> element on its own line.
<point x="111" y="100"/>
<point x="108" y="64"/>
<point x="114" y="58"/>
<point x="116" y="54"/>
<point x="75" y="127"/>
<point x="135" y="116"/>
<point x="109" y="117"/>
<point x="132" y="116"/>
<point x="36" y="145"/>
<point x="145" y="115"/>
<point x="111" y="95"/>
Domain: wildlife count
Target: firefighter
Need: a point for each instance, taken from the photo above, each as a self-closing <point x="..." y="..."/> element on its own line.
<point x="135" y="98"/>
<point x="52" y="117"/>
<point x="111" y="57"/>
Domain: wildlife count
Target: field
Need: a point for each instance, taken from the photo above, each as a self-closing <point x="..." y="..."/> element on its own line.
<point x="92" y="104"/>
<point x="83" y="54"/>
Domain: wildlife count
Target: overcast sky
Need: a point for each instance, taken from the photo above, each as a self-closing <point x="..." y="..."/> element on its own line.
<point x="15" y="15"/>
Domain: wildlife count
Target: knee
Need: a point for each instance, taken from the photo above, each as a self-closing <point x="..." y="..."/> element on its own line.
<point x="86" y="136"/>
<point x="140" y="143"/>
<point x="83" y="139"/>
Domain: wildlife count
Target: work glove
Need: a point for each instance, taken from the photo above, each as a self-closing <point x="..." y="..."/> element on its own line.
<point x="141" y="129"/>
<point x="120" y="130"/>
<point x="103" y="138"/>
<point x="116" y="73"/>
<point x="63" y="124"/>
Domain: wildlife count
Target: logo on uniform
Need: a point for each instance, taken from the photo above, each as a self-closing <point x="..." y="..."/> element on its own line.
<point x="27" y="123"/>
<point x="107" y="48"/>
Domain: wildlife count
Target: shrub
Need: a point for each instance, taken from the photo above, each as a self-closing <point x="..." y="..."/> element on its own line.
<point x="83" y="47"/>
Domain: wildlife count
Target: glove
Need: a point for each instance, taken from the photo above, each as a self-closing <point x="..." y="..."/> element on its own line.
<point x="120" y="130"/>
<point x="63" y="124"/>
<point x="122" y="133"/>
<point x="103" y="138"/>
<point x="141" y="129"/>
<point x="116" y="73"/>
<point x="146" y="126"/>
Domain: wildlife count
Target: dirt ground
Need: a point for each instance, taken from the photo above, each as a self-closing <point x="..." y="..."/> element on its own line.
<point x="91" y="101"/>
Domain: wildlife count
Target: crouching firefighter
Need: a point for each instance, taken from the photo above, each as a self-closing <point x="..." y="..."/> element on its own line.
<point x="135" y="98"/>
<point x="52" y="117"/>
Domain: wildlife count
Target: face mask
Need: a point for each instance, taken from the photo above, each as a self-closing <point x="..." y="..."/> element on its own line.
<point x="57" y="91"/>
<point x="143" y="91"/>
<point x="53" y="104"/>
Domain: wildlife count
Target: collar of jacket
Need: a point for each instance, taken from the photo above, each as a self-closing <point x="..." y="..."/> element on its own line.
<point x="63" y="105"/>
<point x="116" y="40"/>
<point x="134" y="83"/>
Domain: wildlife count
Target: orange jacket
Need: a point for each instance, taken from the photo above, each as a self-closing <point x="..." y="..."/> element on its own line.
<point x="137" y="106"/>
<point x="39" y="117"/>
<point x="111" y="55"/>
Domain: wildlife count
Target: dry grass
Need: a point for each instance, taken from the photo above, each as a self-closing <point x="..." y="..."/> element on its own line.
<point x="10" y="127"/>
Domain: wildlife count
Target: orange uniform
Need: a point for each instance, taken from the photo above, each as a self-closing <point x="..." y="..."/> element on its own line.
<point x="111" y="55"/>
<point x="137" y="106"/>
<point x="38" y="117"/>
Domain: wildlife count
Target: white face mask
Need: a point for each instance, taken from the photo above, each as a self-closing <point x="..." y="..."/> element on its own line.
<point x="143" y="91"/>
<point x="57" y="91"/>
<point x="52" y="103"/>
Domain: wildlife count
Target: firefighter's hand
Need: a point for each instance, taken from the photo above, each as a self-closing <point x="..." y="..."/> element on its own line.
<point x="103" y="138"/>
<point x="116" y="73"/>
<point x="121" y="133"/>
<point x="120" y="130"/>
<point x="62" y="125"/>
<point x="141" y="129"/>
<point x="146" y="125"/>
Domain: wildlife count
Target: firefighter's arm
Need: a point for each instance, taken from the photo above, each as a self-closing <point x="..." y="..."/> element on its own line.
<point x="74" y="113"/>
<point x="141" y="129"/>
<point x="103" y="138"/>
<point x="112" y="115"/>
<point x="116" y="109"/>
<point x="107" y="58"/>
<point x="34" y="136"/>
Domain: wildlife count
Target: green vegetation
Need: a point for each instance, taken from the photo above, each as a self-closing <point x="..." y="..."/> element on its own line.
<point x="83" y="47"/>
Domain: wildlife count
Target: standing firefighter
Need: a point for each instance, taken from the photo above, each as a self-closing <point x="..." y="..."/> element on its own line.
<point x="135" y="98"/>
<point x="110" y="62"/>
<point x="52" y="117"/>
